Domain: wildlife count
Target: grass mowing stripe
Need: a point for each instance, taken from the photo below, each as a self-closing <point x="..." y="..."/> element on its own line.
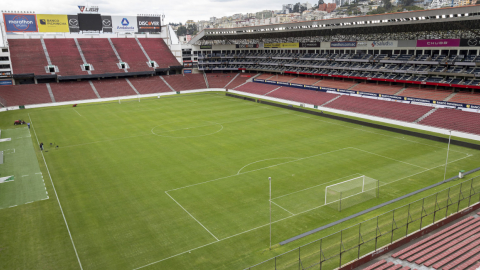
<point x="56" y="195"/>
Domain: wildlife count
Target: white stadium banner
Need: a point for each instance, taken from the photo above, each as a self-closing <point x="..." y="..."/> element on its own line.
<point x="124" y="24"/>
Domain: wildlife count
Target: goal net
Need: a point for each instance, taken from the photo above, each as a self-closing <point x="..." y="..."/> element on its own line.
<point x="351" y="192"/>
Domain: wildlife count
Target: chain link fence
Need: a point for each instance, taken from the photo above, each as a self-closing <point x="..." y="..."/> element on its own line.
<point x="352" y="243"/>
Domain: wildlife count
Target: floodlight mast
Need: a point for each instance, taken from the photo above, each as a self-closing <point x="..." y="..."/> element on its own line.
<point x="270" y="185"/>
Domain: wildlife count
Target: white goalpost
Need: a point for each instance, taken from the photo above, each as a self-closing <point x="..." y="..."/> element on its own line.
<point x="351" y="192"/>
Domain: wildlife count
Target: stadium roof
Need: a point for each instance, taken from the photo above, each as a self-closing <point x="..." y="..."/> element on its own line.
<point x="458" y="18"/>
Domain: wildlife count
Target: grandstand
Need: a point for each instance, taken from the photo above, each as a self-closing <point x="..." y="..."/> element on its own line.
<point x="165" y="171"/>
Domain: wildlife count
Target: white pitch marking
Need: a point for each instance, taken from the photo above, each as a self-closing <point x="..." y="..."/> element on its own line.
<point x="258" y="169"/>
<point x="261" y="161"/>
<point x="283" y="208"/>
<point x="77" y="112"/>
<point x="24" y="175"/>
<point x="192" y="216"/>
<point x="317" y="185"/>
<point x="389" y="158"/>
<point x="58" y="200"/>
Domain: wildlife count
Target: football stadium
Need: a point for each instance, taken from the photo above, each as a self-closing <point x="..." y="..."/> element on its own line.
<point x="347" y="143"/>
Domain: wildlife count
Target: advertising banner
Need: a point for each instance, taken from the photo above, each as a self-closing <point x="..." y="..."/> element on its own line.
<point x="309" y="44"/>
<point x="107" y="24"/>
<point x="7" y="82"/>
<point x="149" y="24"/>
<point x="246" y="46"/>
<point x="73" y="25"/>
<point x="20" y="22"/>
<point x="343" y="44"/>
<point x="52" y="23"/>
<point x="472" y="42"/>
<point x="281" y="45"/>
<point x="90" y="22"/>
<point x="205" y="47"/>
<point x="122" y="24"/>
<point x="438" y="43"/>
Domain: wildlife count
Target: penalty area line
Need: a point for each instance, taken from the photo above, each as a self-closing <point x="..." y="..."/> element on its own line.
<point x="192" y="216"/>
<point x="56" y="195"/>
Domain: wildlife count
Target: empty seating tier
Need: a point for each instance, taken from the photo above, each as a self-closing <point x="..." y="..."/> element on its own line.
<point x="64" y="54"/>
<point x="25" y="94"/>
<point x="378" y="88"/>
<point x="427" y="94"/>
<point x="131" y="53"/>
<point x="27" y="56"/>
<point x="304" y="96"/>
<point x="113" y="88"/>
<point x="454" y="120"/>
<point x="159" y="52"/>
<point x="336" y="83"/>
<point x="186" y="82"/>
<point x="239" y="80"/>
<point x="257" y="88"/>
<point x="69" y="91"/>
<point x="468" y="98"/>
<point x="388" y="109"/>
<point x="218" y="80"/>
<point x="282" y="78"/>
<point x="149" y="85"/>
<point x="265" y="76"/>
<point x="306" y="81"/>
<point x="99" y="53"/>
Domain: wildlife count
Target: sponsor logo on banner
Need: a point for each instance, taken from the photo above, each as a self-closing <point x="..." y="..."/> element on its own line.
<point x="384" y="43"/>
<point x="345" y="91"/>
<point x="297" y="85"/>
<point x="88" y="9"/>
<point x="53" y="23"/>
<point x="313" y="87"/>
<point x="186" y="71"/>
<point x="149" y="24"/>
<point x="124" y="24"/>
<point x="73" y="25"/>
<point x="472" y="42"/>
<point x="205" y="47"/>
<point x="343" y="44"/>
<point x="281" y="45"/>
<point x="107" y="24"/>
<point x="272" y="82"/>
<point x="283" y="83"/>
<point x="309" y="44"/>
<point x="244" y="46"/>
<point x="438" y="43"/>
<point x="362" y="43"/>
<point x="20" y="22"/>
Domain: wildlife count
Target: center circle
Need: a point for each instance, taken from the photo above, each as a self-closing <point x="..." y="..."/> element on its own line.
<point x="187" y="129"/>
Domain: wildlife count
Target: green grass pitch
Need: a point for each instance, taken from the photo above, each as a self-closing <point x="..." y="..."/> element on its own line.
<point x="181" y="182"/>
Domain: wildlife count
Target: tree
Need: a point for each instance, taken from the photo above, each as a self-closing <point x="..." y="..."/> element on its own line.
<point x="321" y="2"/>
<point x="181" y="30"/>
<point x="387" y="5"/>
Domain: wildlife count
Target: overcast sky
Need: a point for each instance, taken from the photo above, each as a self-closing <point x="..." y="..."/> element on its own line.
<point x="175" y="11"/>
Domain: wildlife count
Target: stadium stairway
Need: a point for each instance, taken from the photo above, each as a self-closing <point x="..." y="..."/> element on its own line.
<point x="256" y="88"/>
<point x="452" y="119"/>
<point x="25" y="94"/>
<point x="220" y="80"/>
<point x="149" y="85"/>
<point x="113" y="88"/>
<point x="388" y="109"/>
<point x="65" y="55"/>
<point x="185" y="82"/>
<point x="159" y="52"/>
<point x="27" y="56"/>
<point x="239" y="80"/>
<point x="131" y="53"/>
<point x="99" y="53"/>
<point x="303" y="96"/>
<point x="69" y="91"/>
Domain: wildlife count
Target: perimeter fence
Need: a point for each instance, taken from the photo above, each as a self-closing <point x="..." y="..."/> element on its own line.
<point x="371" y="236"/>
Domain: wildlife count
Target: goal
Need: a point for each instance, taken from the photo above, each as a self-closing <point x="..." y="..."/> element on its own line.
<point x="351" y="192"/>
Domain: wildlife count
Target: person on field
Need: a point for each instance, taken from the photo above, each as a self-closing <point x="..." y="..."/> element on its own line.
<point x="28" y="124"/>
<point x="41" y="146"/>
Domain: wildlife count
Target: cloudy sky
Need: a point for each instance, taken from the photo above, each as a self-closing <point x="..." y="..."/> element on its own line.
<point x="175" y="11"/>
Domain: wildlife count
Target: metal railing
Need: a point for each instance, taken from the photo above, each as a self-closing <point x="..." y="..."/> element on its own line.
<point x="338" y="249"/>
